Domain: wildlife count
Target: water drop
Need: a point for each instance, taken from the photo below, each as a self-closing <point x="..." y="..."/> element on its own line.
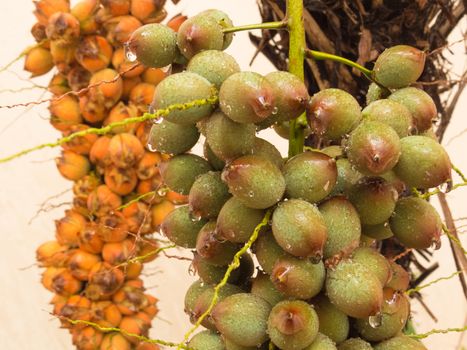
<point x="162" y="191"/>
<point x="326" y="185"/>
<point x="194" y="217"/>
<point x="376" y="320"/>
<point x="167" y="69"/>
<point x="446" y="187"/>
<point x="436" y="244"/>
<point x="192" y="270"/>
<point x="152" y="148"/>
<point x="251" y="194"/>
<point x="275" y="110"/>
<point x="130" y="54"/>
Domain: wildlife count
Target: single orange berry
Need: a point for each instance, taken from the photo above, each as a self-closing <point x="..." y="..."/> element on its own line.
<point x="160" y="211"/>
<point x="89" y="239"/>
<point x="125" y="150"/>
<point x="69" y="227"/>
<point x="65" y="113"/>
<point x="38" y="61"/>
<point x="81" y="144"/>
<point x="81" y="263"/>
<point x="94" y="53"/>
<point x="72" y="166"/>
<point x="102" y="200"/>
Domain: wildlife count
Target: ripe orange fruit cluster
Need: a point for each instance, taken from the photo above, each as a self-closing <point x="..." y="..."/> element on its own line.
<point x="94" y="264"/>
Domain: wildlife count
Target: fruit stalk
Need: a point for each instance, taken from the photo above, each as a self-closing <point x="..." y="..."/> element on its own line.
<point x="266" y="25"/>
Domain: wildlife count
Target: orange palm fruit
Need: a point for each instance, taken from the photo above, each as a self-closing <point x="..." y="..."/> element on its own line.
<point x="64" y="283"/>
<point x="133" y="269"/>
<point x="130" y="300"/>
<point x="160" y="211"/>
<point x="48" y="276"/>
<point x="63" y="27"/>
<point x="133" y="325"/>
<point x="118" y="252"/>
<point x="150" y="185"/>
<point x="138" y="217"/>
<point x="79" y="204"/>
<point x="125" y="150"/>
<point x="147" y="346"/>
<point x="128" y="85"/>
<point x="147" y="248"/>
<point x="78" y="78"/>
<point x="151" y="310"/>
<point x="147" y="166"/>
<point x="102" y="200"/>
<point x="126" y="68"/>
<point x="93" y="111"/>
<point x="106" y="87"/>
<point x="116" y="7"/>
<point x="176" y="198"/>
<point x="141" y="96"/>
<point x="87" y="338"/>
<point x="103" y="281"/>
<point x="99" y="152"/>
<point x="112" y="227"/>
<point x="63" y="55"/>
<point x="38" y="32"/>
<point x="176" y="21"/>
<point x="115" y="341"/>
<point x="142" y="133"/>
<point x="81" y="263"/>
<point x="84" y="11"/>
<point x="46" y="8"/>
<point x="84" y="186"/>
<point x="52" y="253"/>
<point x="38" y="61"/>
<point x="77" y="307"/>
<point x="153" y="76"/>
<point x="65" y="113"/>
<point x="119" y="113"/>
<point x="81" y="144"/>
<point x="72" y="166"/>
<point x="106" y="314"/>
<point x="121" y="181"/>
<point x="120" y="28"/>
<point x="146" y="9"/>
<point x="69" y="227"/>
<point x="89" y="239"/>
<point x="58" y="85"/>
<point x="94" y="53"/>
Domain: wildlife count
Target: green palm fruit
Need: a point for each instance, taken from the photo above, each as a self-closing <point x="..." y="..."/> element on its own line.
<point x="207" y="195"/>
<point x="293" y="325"/>
<point x="399" y="66"/>
<point x="415" y="223"/>
<point x="227" y="139"/>
<point x="267" y="251"/>
<point x="212" y="274"/>
<point x="247" y="97"/>
<point x="332" y="321"/>
<point x="264" y="149"/>
<point x="291" y="98"/>
<point x="194" y="291"/>
<point x="400" y="342"/>
<point x="298" y="278"/>
<point x="379" y="232"/>
<point x="354" y="289"/>
<point x="206" y="340"/>
<point x="180" y="228"/>
<point x="343" y="225"/>
<point x="322" y="342"/>
<point x="230" y="345"/>
<point x="211" y="249"/>
<point x="391" y="113"/>
<point x="373" y="148"/>
<point x="375" y="262"/>
<point x="214" y="65"/>
<point x="376" y="92"/>
<point x="255" y="181"/>
<point x="419" y="103"/>
<point x="354" y="344"/>
<point x="394" y="315"/>
<point x="243" y="318"/>
<point x="400" y="279"/>
<point x="180" y="172"/>
<point x="423" y="163"/>
<point x="154" y="45"/>
<point x="262" y="286"/>
<point x="333" y="113"/>
<point x="236" y="222"/>
<point x="224" y="21"/>
<point x="300" y="229"/>
<point x="216" y="162"/>
<point x="374" y="199"/>
<point x="310" y="176"/>
<point x="170" y="138"/>
<point x="347" y="177"/>
<point x="180" y="88"/>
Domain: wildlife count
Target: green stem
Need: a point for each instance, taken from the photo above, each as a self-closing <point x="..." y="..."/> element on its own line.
<point x="318" y="55"/>
<point x="265" y="25"/>
<point x="296" y="67"/>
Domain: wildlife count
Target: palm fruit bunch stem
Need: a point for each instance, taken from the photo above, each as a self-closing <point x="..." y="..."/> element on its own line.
<point x="315" y="221"/>
<point x="93" y="265"/>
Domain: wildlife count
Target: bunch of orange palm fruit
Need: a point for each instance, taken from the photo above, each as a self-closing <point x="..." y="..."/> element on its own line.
<point x="94" y="264"/>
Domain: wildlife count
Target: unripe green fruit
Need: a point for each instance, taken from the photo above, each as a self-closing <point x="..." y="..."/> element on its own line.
<point x="263" y="287"/>
<point x="214" y="65"/>
<point x="206" y="340"/>
<point x="255" y="181"/>
<point x="399" y="66"/>
<point x="298" y="278"/>
<point x="247" y="97"/>
<point x="212" y="274"/>
<point x="354" y="289"/>
<point x="236" y="222"/>
<point x="216" y="162"/>
<point x="227" y="139"/>
<point x="354" y="344"/>
<point x="211" y="249"/>
<point x="207" y="195"/>
<point x="333" y="113"/>
<point x="199" y="33"/>
<point x="310" y="176"/>
<point x="180" y="228"/>
<point x="415" y="223"/>
<point x="401" y="342"/>
<point x="154" y="45"/>
<point x="419" y="103"/>
<point x="379" y="232"/>
<point x="373" y="148"/>
<point x="392" y="113"/>
<point x="375" y="92"/>
<point x="243" y="318"/>
<point x="375" y="262"/>
<point x="264" y="149"/>
<point x="230" y="345"/>
<point x="170" y="138"/>
<point x="347" y="177"/>
<point x="374" y="199"/>
<point x="180" y="172"/>
<point x="322" y="342"/>
<point x="267" y="251"/>
<point x="423" y="163"/>
<point x="332" y="321"/>
<point x="223" y="20"/>
<point x="293" y="325"/>
<point x="343" y="225"/>
<point x="395" y="312"/>
<point x="400" y="279"/>
<point x="300" y="229"/>
<point x="194" y="291"/>
<point x="180" y="88"/>
<point x="291" y="97"/>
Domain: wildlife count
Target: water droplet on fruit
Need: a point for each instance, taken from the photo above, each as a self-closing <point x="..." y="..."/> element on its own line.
<point x="162" y="191"/>
<point x="376" y="320"/>
<point x="275" y="110"/>
<point x="195" y="217"/>
<point x="167" y="69"/>
<point x="436" y="244"/>
<point x="130" y="54"/>
<point x="446" y="187"/>
<point x="251" y="194"/>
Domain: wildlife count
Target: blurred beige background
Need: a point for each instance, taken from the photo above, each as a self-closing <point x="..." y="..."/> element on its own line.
<point x="29" y="181"/>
